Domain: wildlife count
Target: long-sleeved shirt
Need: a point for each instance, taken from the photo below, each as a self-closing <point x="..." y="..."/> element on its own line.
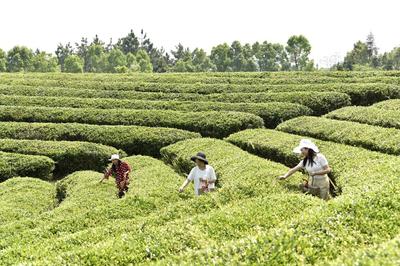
<point x="120" y="170"/>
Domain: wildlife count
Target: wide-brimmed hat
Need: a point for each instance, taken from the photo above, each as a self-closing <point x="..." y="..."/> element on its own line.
<point x="114" y="157"/>
<point x="200" y="156"/>
<point x="306" y="143"/>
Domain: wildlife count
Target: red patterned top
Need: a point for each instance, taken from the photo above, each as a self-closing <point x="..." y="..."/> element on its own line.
<point x="120" y="170"/>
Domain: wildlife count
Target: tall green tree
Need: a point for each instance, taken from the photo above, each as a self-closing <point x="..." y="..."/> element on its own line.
<point x="182" y="59"/>
<point x="251" y="62"/>
<point x="183" y="66"/>
<point x="62" y="52"/>
<point x="187" y="61"/>
<point x="236" y="57"/>
<point x="114" y="61"/>
<point x="201" y="62"/>
<point x="181" y="53"/>
<point x="298" y="49"/>
<point x="357" y="56"/>
<point x="19" y="59"/>
<point x="220" y="57"/>
<point x="132" y="63"/>
<point x="271" y="56"/>
<point x="73" y="64"/>
<point x="81" y="49"/>
<point x="44" y="62"/>
<point x="364" y="55"/>
<point x="391" y="60"/>
<point x="91" y="54"/>
<point x="129" y="43"/>
<point x="143" y="61"/>
<point x="160" y="60"/>
<point x="93" y="59"/>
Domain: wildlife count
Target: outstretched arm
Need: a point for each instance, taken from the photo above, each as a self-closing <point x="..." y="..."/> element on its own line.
<point x="185" y="183"/>
<point x="106" y="175"/>
<point x="290" y="172"/>
<point x="189" y="179"/>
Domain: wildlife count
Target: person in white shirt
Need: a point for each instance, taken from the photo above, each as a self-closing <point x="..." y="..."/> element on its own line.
<point x="203" y="176"/>
<point x="315" y="164"/>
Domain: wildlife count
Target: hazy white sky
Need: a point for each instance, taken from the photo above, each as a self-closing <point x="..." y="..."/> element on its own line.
<point x="331" y="26"/>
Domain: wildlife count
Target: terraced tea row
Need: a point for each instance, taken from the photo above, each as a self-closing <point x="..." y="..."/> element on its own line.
<point x="212" y="124"/>
<point x="368" y="115"/>
<point x="386" y="253"/>
<point x="210" y="78"/>
<point x="14" y="164"/>
<point x="385" y="140"/>
<point x="391" y="105"/>
<point x="320" y="103"/>
<point x="131" y="139"/>
<point x="22" y="198"/>
<point x="156" y="77"/>
<point x="272" y="113"/>
<point x="360" y="93"/>
<point x="67" y="155"/>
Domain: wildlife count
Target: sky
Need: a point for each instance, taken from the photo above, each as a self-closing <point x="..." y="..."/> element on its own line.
<point x="332" y="27"/>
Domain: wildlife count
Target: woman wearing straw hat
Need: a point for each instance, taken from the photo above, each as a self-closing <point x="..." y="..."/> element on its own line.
<point x="121" y="171"/>
<point x="203" y="175"/>
<point x="316" y="166"/>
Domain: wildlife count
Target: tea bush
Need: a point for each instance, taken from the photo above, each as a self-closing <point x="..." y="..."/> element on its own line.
<point x="211" y="124"/>
<point x="131" y="139"/>
<point x="272" y="113"/>
<point x="14" y="164"/>
<point x="368" y="115"/>
<point x="69" y="156"/>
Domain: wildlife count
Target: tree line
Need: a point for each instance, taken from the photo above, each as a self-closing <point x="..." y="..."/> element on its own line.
<point x="137" y="53"/>
<point x="365" y="56"/>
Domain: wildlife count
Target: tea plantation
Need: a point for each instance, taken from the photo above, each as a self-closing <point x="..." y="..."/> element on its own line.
<point x="58" y="130"/>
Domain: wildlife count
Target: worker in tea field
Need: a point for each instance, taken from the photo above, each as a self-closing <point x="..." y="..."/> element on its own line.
<point x="317" y="167"/>
<point x="202" y="175"/>
<point x="120" y="170"/>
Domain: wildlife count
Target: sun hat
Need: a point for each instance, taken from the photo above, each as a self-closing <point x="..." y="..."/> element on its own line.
<point x="306" y="143"/>
<point x="200" y="156"/>
<point x="114" y="157"/>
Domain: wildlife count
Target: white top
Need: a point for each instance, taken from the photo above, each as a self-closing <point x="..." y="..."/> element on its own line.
<point x="319" y="163"/>
<point x="197" y="175"/>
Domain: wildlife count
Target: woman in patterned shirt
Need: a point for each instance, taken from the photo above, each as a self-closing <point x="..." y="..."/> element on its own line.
<point x="120" y="170"/>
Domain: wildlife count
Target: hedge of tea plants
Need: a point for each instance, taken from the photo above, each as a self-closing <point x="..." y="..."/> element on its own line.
<point x="368" y="115"/>
<point x="208" y="123"/>
<point x="69" y="156"/>
<point x="14" y="164"/>
<point x="320" y="103"/>
<point x="374" y="138"/>
<point x="272" y="113"/>
<point x="131" y="139"/>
